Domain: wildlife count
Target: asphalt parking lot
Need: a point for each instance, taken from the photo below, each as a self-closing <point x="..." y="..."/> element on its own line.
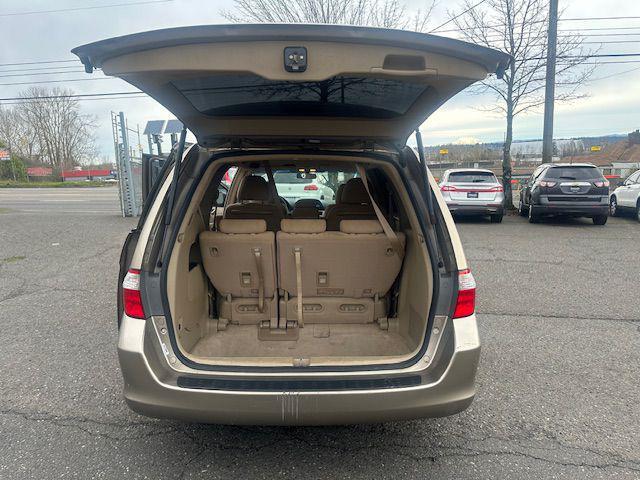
<point x="558" y="395"/>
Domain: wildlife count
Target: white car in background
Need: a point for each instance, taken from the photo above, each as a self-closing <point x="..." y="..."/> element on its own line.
<point x="473" y="191"/>
<point x="627" y="196"/>
<point x="294" y="186"/>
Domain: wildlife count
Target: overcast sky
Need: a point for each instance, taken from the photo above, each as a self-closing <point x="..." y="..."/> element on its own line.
<point x="612" y="104"/>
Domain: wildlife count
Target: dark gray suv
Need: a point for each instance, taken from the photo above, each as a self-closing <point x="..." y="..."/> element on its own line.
<point x="576" y="190"/>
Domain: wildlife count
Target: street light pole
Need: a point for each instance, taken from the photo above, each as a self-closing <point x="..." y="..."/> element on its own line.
<point x="549" y="92"/>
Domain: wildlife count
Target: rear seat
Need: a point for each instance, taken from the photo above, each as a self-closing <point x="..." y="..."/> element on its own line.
<point x="239" y="259"/>
<point x="343" y="275"/>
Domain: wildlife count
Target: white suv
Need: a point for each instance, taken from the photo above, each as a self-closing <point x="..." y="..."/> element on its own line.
<point x="473" y="191"/>
<point x="627" y="196"/>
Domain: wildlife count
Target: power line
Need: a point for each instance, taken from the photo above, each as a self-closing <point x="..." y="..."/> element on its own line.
<point x="27" y="101"/>
<point x="59" y="81"/>
<point x="435" y="30"/>
<point x="37" y="63"/>
<point x="72" y="95"/>
<point x="38" y="73"/>
<point x="617" y="74"/>
<point x="53" y="67"/>
<point x="95" y="7"/>
<point x="579" y="19"/>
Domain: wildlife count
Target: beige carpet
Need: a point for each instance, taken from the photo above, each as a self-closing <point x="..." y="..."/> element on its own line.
<point x="314" y="341"/>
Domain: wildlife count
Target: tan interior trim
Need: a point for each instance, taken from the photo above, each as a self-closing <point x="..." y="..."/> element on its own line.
<point x="388" y="231"/>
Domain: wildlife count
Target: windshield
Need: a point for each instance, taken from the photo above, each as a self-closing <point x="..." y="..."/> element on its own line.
<point x="574" y="173"/>
<point x="472" y="177"/>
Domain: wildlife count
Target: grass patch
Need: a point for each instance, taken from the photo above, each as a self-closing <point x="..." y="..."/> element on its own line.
<point x="13" y="259"/>
<point x="12" y="184"/>
<point x="4" y="210"/>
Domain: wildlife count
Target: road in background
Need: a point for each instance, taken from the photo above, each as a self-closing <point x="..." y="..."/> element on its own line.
<point x="74" y="201"/>
<point x="557" y="386"/>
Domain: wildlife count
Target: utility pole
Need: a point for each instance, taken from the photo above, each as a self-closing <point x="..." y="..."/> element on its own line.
<point x="550" y="86"/>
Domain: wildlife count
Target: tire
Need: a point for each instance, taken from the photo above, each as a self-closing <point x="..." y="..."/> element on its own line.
<point x="496" y="218"/>
<point x="533" y="217"/>
<point x="613" y="206"/>
<point x="600" y="219"/>
<point x="638" y="211"/>
<point x="522" y="209"/>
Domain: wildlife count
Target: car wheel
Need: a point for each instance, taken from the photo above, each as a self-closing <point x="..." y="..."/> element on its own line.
<point x="613" y="206"/>
<point x="533" y="217"/>
<point x="496" y="218"/>
<point x="522" y="210"/>
<point x="638" y="211"/>
<point x="600" y="219"/>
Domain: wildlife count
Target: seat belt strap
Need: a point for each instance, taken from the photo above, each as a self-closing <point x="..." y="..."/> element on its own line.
<point x="396" y="244"/>
<point x="298" y="253"/>
<point x="272" y="183"/>
<point x="258" y="257"/>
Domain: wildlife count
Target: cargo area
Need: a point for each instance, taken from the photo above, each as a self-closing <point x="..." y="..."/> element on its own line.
<point x="300" y="261"/>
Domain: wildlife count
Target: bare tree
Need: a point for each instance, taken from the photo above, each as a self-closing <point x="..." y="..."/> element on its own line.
<point x="375" y="13"/>
<point x="64" y="135"/>
<point x="519" y="28"/>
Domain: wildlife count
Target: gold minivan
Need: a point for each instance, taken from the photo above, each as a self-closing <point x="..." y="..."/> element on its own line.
<point x="353" y="303"/>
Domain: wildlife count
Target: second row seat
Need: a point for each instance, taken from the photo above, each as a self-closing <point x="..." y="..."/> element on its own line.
<point x="333" y="277"/>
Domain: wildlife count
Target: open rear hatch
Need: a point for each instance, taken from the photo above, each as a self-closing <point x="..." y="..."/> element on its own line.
<point x="294" y="81"/>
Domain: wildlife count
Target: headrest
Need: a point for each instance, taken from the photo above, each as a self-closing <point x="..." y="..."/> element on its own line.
<point x="339" y="193"/>
<point x="254" y="188"/>
<point x="354" y="192"/>
<point x="360" y="226"/>
<point x="308" y="203"/>
<point x="228" y="225"/>
<point x="291" y="225"/>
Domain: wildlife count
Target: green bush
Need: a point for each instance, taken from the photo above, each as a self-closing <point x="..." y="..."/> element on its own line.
<point x="14" y="169"/>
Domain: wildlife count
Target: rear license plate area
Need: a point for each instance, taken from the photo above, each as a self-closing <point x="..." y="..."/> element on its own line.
<point x="472" y="194"/>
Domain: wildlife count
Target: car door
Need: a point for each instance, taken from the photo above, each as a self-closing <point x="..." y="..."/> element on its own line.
<point x="628" y="193"/>
<point x="634" y="191"/>
<point x="292" y="81"/>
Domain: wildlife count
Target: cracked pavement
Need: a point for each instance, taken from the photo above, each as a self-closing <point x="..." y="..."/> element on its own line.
<point x="559" y="316"/>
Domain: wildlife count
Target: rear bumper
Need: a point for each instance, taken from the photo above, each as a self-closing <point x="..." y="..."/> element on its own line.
<point x="488" y="209"/>
<point x="571" y="209"/>
<point x="150" y="388"/>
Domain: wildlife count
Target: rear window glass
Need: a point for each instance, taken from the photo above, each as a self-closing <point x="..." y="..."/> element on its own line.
<point x="472" y="177"/>
<point x="289" y="177"/>
<point x="573" y="173"/>
<point x="247" y="94"/>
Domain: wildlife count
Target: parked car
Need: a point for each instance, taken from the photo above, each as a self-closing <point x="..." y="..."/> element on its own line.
<point x="563" y="189"/>
<point x="294" y="186"/>
<point x="626" y="197"/>
<point x="259" y="317"/>
<point x="473" y="191"/>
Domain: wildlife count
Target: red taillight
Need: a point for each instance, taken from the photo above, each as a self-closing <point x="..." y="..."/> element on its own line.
<point x="601" y="184"/>
<point x="131" y="294"/>
<point x="466" y="302"/>
<point x="448" y="188"/>
<point x="499" y="188"/>
<point x="547" y="183"/>
<point x="311" y="187"/>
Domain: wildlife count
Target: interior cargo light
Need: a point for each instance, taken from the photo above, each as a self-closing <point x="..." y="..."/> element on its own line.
<point x="131" y="298"/>
<point x="466" y="302"/>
